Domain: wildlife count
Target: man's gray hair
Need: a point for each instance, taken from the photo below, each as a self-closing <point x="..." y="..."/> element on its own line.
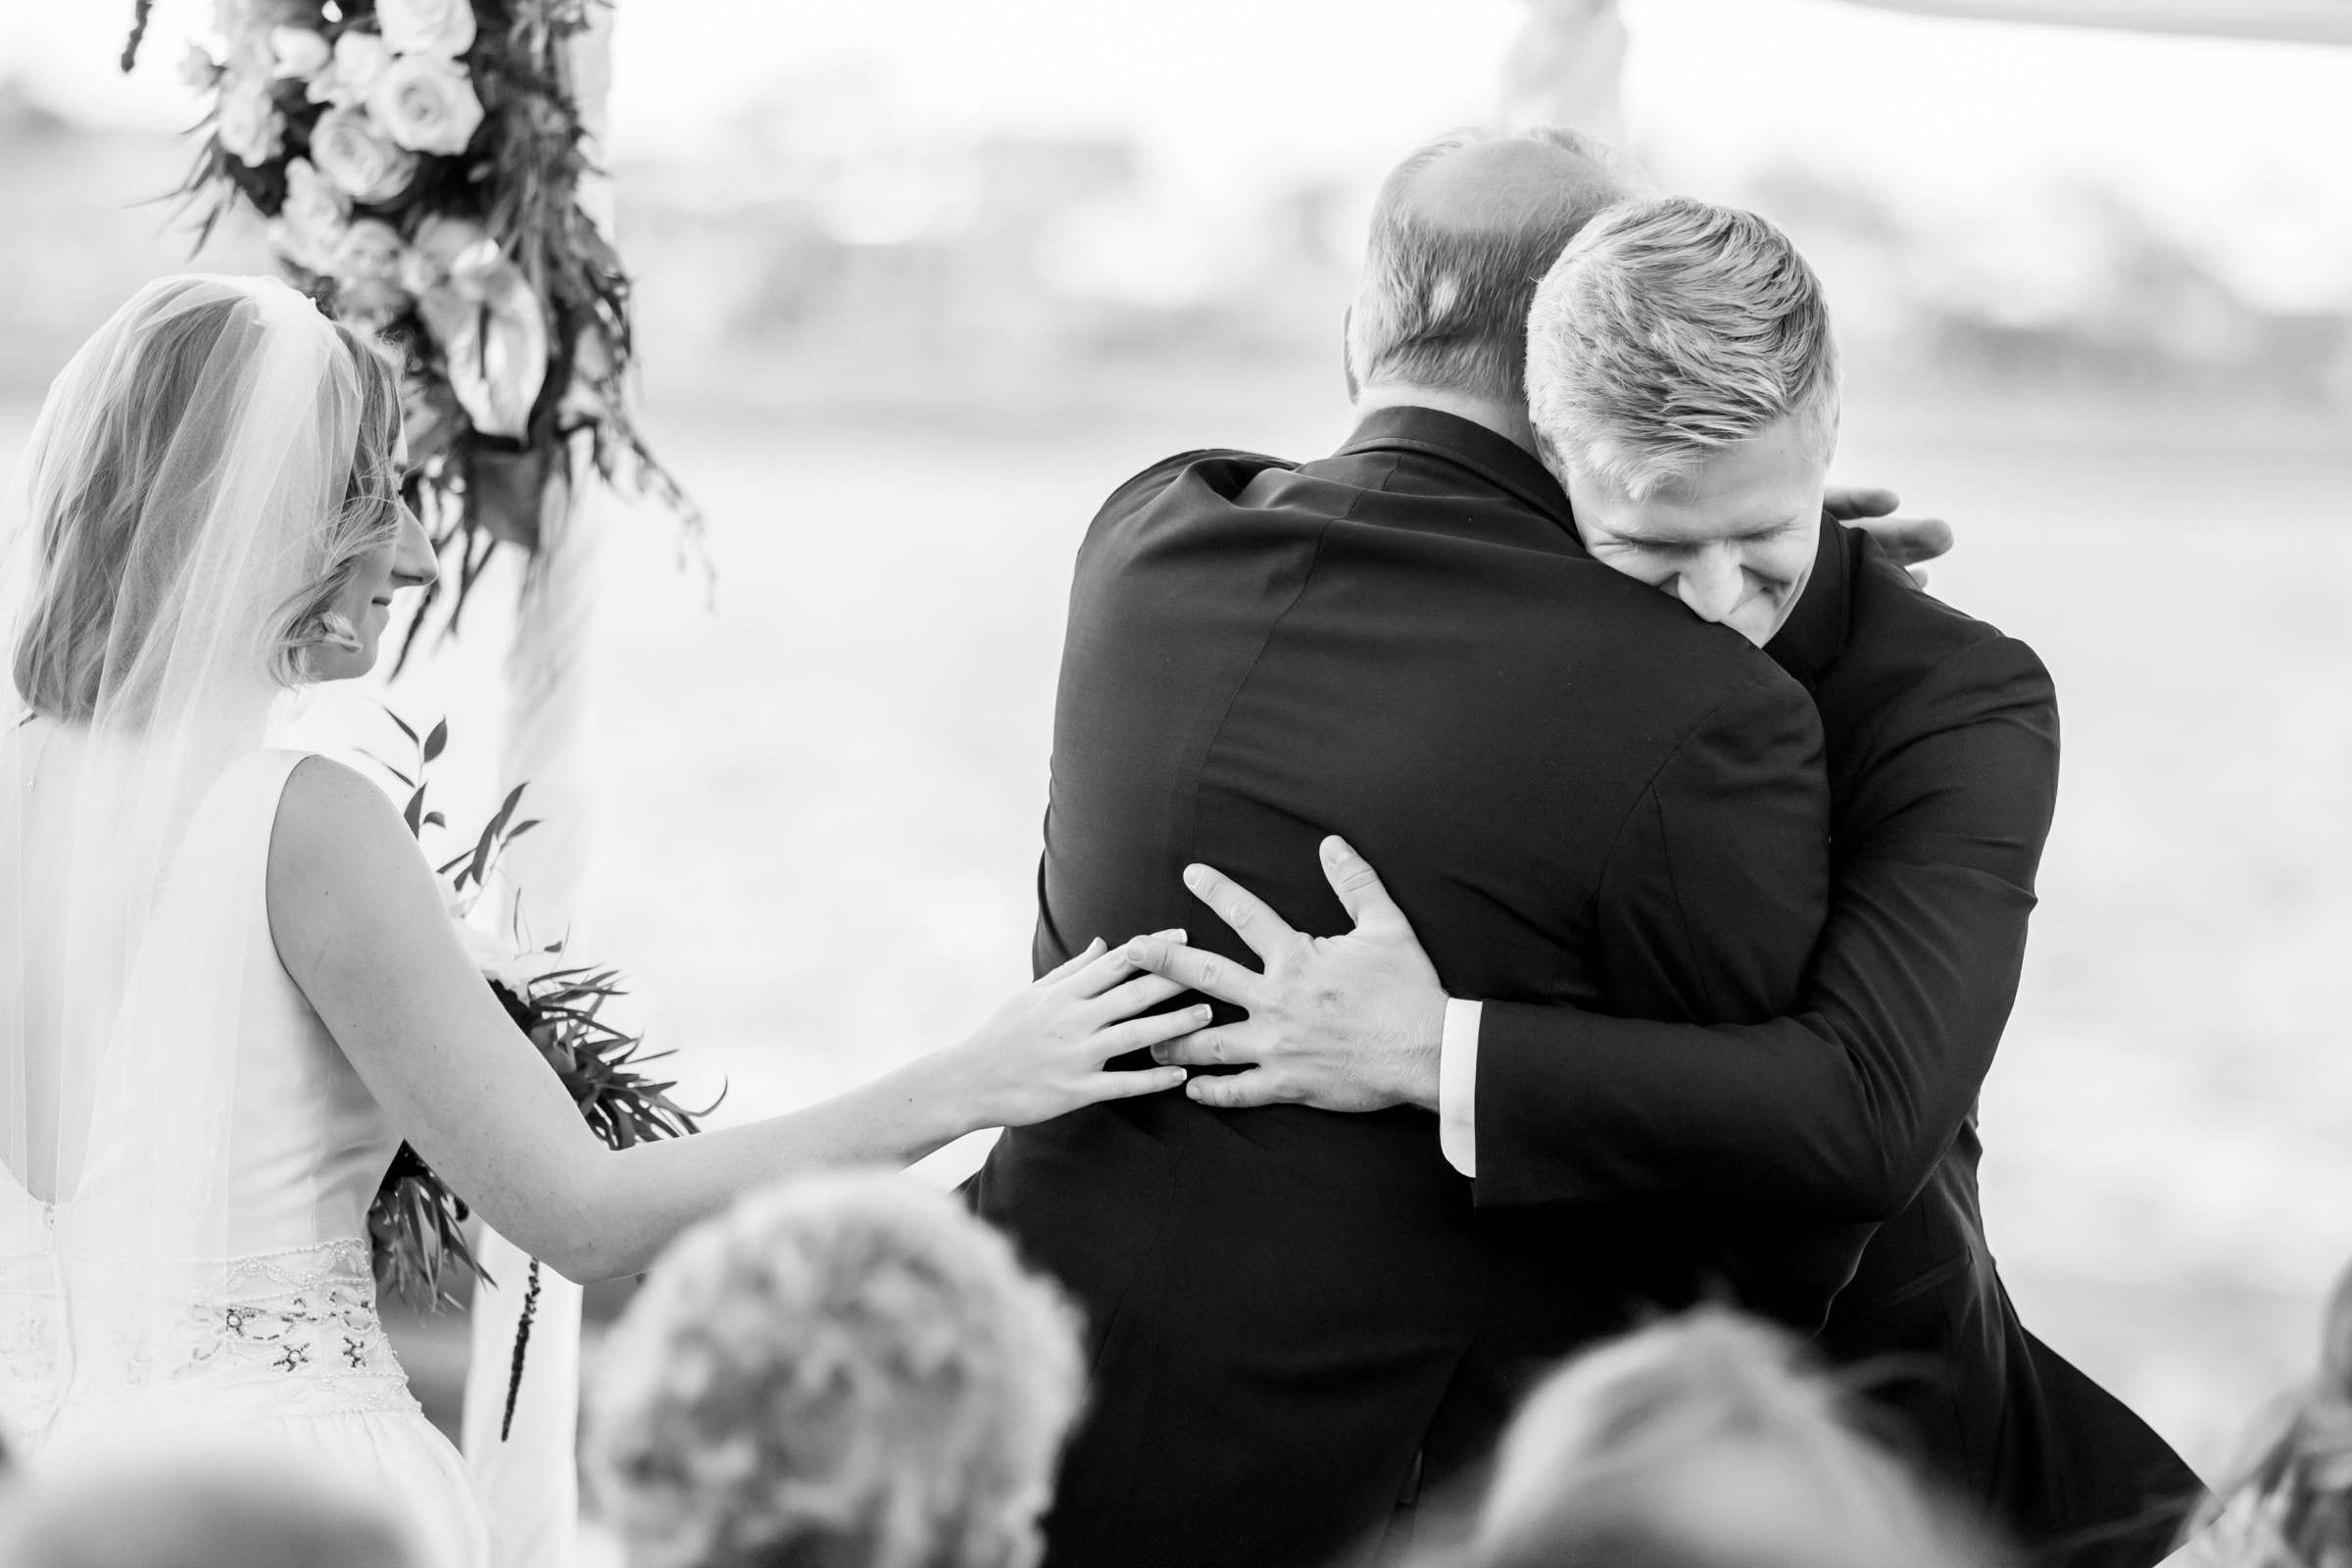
<point x="1669" y="330"/>
<point x="1443" y="302"/>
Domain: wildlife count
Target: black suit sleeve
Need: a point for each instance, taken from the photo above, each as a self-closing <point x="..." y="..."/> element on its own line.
<point x="1711" y="897"/>
<point x="1719" y="879"/>
<point x="1838" y="1110"/>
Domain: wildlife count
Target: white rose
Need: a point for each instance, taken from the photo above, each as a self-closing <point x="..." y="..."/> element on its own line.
<point x="517" y="971"/>
<point x="443" y="27"/>
<point x="427" y="104"/>
<point x="372" y="307"/>
<point x="364" y="164"/>
<point x="247" y="58"/>
<point x="232" y="17"/>
<point x="371" y="252"/>
<point x="360" y="59"/>
<point x="199" y="72"/>
<point x="440" y="241"/>
<point x="294" y="248"/>
<point x="307" y="188"/>
<point x="309" y="224"/>
<point x="367" y="266"/>
<point x="493" y="958"/>
<point x="367" y="269"/>
<point x="245" y="26"/>
<point x="297" y="51"/>
<point x="250" y="128"/>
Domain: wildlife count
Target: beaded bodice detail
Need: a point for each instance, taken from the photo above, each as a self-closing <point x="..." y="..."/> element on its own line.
<point x="292" y="1333"/>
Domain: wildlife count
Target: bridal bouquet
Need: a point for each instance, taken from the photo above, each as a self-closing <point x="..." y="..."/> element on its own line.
<point x="420" y="165"/>
<point x="417" y="1224"/>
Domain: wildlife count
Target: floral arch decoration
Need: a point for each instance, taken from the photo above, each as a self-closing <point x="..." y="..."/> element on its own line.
<point x="420" y="167"/>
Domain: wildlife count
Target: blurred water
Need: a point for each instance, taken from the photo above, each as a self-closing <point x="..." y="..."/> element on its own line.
<point x="818" y="803"/>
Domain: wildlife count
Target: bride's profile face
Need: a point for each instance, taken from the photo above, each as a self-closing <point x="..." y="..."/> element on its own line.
<point x="377" y="548"/>
<point x="402" y="562"/>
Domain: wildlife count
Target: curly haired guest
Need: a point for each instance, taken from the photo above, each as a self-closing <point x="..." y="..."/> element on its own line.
<point x="2291" y="1506"/>
<point x="1707" y="1440"/>
<point x="841" y="1372"/>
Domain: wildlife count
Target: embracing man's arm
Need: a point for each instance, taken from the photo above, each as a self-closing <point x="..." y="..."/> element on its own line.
<point x="1709" y="902"/>
<point x="1718" y="882"/>
<point x="1840" y="1108"/>
<point x="1834" y="1111"/>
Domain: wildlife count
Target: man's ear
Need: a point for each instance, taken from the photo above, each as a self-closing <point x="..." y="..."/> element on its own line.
<point x="1347" y="353"/>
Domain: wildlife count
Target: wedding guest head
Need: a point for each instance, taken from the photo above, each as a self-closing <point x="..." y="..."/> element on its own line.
<point x="218" y="449"/>
<point x="1683" y="385"/>
<point x="185" y="1510"/>
<point x="1707" y="1441"/>
<point x="2291" y="1505"/>
<point x="1461" y="230"/>
<point x="845" y="1371"/>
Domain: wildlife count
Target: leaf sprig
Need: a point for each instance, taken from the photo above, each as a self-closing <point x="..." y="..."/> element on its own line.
<point x="417" y="1223"/>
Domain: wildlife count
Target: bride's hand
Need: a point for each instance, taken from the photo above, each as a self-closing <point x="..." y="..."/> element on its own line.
<point x="1041" y="1056"/>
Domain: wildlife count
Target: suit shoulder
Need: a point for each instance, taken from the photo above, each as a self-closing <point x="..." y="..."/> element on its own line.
<point x="1918" y="662"/>
<point x="1754" y="696"/>
<point x="1696" y="678"/>
<point x="1896" y="620"/>
<point x="1143" y="488"/>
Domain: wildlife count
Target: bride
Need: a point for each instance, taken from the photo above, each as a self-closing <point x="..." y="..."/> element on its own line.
<point x="229" y="988"/>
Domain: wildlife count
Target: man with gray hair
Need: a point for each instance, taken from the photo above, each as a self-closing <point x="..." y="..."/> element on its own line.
<point x="1300" y="1320"/>
<point x="1454" y="252"/>
<point x="1681" y="386"/>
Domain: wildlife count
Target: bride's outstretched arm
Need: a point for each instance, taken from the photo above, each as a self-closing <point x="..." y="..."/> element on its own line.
<point x="359" y="923"/>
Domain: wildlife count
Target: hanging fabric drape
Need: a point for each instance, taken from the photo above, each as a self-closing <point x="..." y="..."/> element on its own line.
<point x="524" y="1459"/>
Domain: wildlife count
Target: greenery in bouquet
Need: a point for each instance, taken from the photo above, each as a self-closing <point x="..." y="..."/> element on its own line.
<point x="420" y="165"/>
<point x="417" y="1224"/>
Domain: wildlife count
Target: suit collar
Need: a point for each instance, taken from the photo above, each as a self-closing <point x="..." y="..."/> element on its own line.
<point x="1468" y="445"/>
<point x="1815" y="632"/>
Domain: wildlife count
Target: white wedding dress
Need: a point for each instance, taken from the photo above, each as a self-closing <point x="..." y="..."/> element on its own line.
<point x="186" y="1158"/>
<point x="273" y="1348"/>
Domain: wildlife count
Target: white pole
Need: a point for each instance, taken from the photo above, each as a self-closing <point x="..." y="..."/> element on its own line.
<point x="1567" y="68"/>
<point x="527" y="1475"/>
<point x="2281" y="20"/>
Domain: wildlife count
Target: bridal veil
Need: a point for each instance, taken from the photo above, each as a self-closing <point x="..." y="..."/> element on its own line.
<point x="167" y="517"/>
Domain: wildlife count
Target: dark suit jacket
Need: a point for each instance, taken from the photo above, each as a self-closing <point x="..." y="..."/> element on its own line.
<point x="1943" y="768"/>
<point x="1581" y="795"/>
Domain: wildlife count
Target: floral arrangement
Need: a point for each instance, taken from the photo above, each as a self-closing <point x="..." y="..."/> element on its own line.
<point x="420" y="165"/>
<point x="417" y="1223"/>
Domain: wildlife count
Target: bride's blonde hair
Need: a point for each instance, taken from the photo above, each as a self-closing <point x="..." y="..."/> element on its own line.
<point x="2291" y="1505"/>
<point x="87" y="531"/>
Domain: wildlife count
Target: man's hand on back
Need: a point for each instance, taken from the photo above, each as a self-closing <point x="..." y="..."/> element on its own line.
<point x="1912" y="542"/>
<point x="1351" y="1022"/>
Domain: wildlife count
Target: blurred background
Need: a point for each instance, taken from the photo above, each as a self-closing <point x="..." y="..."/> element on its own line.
<point x="920" y="280"/>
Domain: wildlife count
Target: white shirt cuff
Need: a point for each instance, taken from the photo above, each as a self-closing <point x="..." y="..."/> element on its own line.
<point x="1458" y="1086"/>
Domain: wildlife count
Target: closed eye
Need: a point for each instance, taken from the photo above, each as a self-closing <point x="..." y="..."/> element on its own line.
<point x="1686" y="547"/>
